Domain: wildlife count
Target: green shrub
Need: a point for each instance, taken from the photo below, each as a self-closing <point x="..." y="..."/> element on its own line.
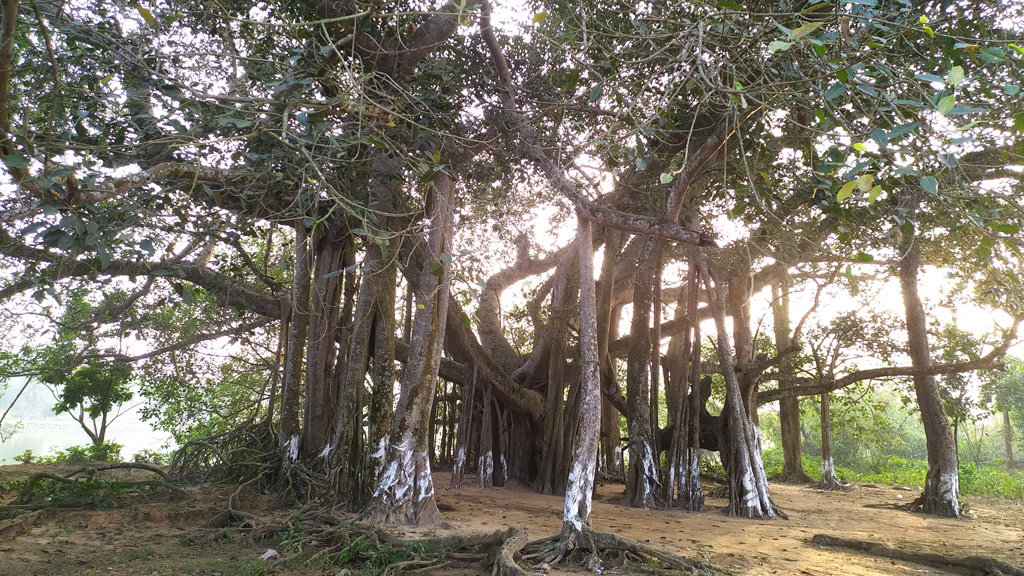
<point x="106" y="452"/>
<point x="26" y="457"/>
<point x="152" y="457"/>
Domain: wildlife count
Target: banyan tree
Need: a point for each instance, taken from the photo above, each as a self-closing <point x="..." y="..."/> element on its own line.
<point x="353" y="185"/>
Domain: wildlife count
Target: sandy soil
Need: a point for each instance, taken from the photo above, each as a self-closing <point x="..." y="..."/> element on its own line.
<point x="176" y="538"/>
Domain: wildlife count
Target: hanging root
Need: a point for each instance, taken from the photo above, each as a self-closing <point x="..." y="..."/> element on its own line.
<point x="970" y="565"/>
<point x="591" y="548"/>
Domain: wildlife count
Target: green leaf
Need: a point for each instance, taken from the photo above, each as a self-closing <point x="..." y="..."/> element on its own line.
<point x="779" y="46"/>
<point x="729" y="5"/>
<point x="865" y="182"/>
<point x="436" y="154"/>
<point x="867" y="89"/>
<point x="540" y="17"/>
<point x="961" y="110"/>
<point x="945" y="104"/>
<point x="596" y="92"/>
<point x="863" y="257"/>
<point x="930" y="78"/>
<point x="1007" y="228"/>
<point x="666" y="177"/>
<point x="16" y="161"/>
<point x="446" y="258"/>
<point x="146" y="14"/>
<point x="834" y="91"/>
<point x="571" y="81"/>
<point x="930" y="184"/>
<point x="992" y="55"/>
<point x="803" y="30"/>
<point x="1011" y="89"/>
<point x="955" y="76"/>
<point x="874" y="194"/>
<point x="859" y="146"/>
<point x="846" y="191"/>
<point x="929" y="31"/>
<point x="901" y="129"/>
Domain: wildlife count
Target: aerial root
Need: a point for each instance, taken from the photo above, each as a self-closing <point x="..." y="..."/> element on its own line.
<point x="970" y="565"/>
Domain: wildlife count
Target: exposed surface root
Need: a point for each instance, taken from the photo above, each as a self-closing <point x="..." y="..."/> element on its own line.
<point x="970" y="565"/>
<point x="592" y="549"/>
<point x="89" y="488"/>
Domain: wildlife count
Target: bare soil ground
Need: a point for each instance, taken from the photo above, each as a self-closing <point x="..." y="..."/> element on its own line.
<point x="176" y="537"/>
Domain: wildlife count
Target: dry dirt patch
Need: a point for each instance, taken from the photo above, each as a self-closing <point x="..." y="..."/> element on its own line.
<point x="174" y="537"/>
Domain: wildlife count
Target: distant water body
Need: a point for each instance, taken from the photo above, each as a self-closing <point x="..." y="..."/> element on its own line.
<point x="44" y="433"/>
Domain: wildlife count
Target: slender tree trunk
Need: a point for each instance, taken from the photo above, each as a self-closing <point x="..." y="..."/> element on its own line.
<point x="291" y="386"/>
<point x="405" y="491"/>
<point x="748" y="484"/>
<point x="485" y="458"/>
<point x="1008" y="438"/>
<point x="642" y="488"/>
<point x="579" y="491"/>
<point x="347" y="440"/>
<point x="829" y="480"/>
<point x="789" y="408"/>
<point x="563" y="298"/>
<point x="318" y="421"/>
<point x="942" y="483"/>
<point x="463" y="433"/>
<point x="607" y="331"/>
<point x="382" y="396"/>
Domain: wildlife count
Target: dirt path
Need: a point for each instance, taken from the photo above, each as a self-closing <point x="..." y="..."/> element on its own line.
<point x="173" y="538"/>
<point x="993" y="528"/>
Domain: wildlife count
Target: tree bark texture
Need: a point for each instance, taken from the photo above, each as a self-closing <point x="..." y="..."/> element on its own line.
<point x="580" y="488"/>
<point x="405" y="491"/>
<point x="942" y="482"/>
<point x="291" y="386"/>
<point x="643" y="483"/>
<point x="748" y="484"/>
<point x="829" y="480"/>
<point x="789" y="408"/>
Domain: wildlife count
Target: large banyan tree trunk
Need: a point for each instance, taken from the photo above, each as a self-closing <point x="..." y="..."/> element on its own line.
<point x="405" y="490"/>
<point x="643" y="486"/>
<point x="942" y="483"/>
<point x="741" y="454"/>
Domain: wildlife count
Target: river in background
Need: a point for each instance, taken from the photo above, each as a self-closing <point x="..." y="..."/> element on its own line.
<point x="43" y="432"/>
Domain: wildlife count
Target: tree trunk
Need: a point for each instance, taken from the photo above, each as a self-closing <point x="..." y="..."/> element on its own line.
<point x="463" y="433"/>
<point x="485" y="457"/>
<point x="381" y="410"/>
<point x="579" y="491"/>
<point x="642" y="488"/>
<point x="789" y="408"/>
<point x="942" y="483"/>
<point x="1008" y="438"/>
<point x="741" y="456"/>
<point x="829" y="480"/>
<point x="318" y="421"/>
<point x="291" y="386"/>
<point x="607" y="331"/>
<point x="552" y="463"/>
<point x="405" y="491"/>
